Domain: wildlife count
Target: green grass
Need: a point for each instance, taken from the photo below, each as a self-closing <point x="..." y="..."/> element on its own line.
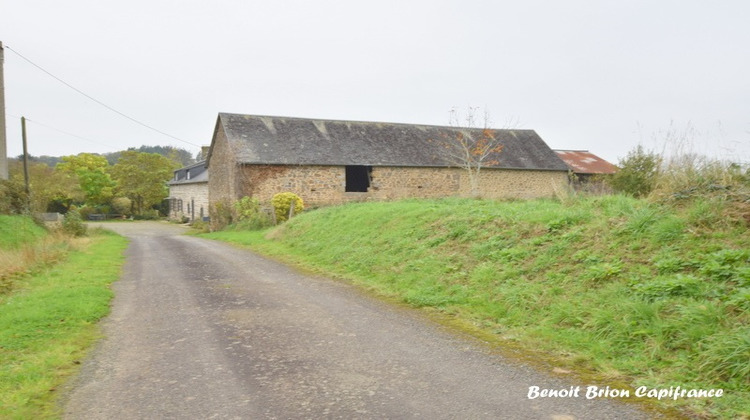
<point x="48" y="322"/>
<point x="636" y="292"/>
<point x="16" y="231"/>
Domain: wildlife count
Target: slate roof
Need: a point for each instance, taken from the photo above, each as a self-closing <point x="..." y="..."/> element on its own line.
<point x="299" y="141"/>
<point x="585" y="162"/>
<point x="197" y="171"/>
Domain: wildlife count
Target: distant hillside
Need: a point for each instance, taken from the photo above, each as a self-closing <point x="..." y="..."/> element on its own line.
<point x="175" y="153"/>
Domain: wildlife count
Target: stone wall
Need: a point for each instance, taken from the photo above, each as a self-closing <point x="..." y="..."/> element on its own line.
<point x="222" y="181"/>
<point x="325" y="185"/>
<point x="193" y="201"/>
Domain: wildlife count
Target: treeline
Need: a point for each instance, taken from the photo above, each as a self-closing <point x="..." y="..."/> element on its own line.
<point x="130" y="183"/>
<point x="184" y="157"/>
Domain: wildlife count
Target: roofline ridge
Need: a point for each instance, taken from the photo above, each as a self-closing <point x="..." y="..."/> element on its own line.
<point x="571" y="150"/>
<point x="371" y="122"/>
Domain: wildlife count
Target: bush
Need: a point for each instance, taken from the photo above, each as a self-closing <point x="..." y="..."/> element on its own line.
<point x="221" y="215"/>
<point x="13" y="198"/>
<point x="637" y="174"/>
<point x="122" y="205"/>
<point x="249" y="214"/>
<point x="282" y="202"/>
<point x="200" y="226"/>
<point x="151" y="214"/>
<point x="73" y="224"/>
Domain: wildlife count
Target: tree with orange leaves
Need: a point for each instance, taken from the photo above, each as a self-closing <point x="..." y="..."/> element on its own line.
<point x="470" y="147"/>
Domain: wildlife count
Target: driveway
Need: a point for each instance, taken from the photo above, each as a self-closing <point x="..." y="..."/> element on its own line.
<point x="201" y="330"/>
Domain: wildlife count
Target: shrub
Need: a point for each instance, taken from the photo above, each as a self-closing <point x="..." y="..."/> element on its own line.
<point x="221" y="215"/>
<point x="637" y="174"/>
<point x="84" y="212"/>
<point x="13" y="198"/>
<point x="282" y="203"/>
<point x="73" y="224"/>
<point x="151" y="214"/>
<point x="250" y="215"/>
<point x="200" y="226"/>
<point x="122" y="205"/>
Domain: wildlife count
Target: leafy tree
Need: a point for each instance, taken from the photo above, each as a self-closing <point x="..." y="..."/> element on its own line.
<point x="470" y="147"/>
<point x="48" y="189"/>
<point x="93" y="177"/>
<point x="638" y="173"/>
<point x="142" y="177"/>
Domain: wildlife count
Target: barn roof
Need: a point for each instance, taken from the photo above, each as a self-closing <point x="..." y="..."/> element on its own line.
<point x="585" y="162"/>
<point x="299" y="141"/>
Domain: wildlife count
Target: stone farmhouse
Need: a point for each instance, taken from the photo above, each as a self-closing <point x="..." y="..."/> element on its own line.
<point x="332" y="162"/>
<point x="188" y="193"/>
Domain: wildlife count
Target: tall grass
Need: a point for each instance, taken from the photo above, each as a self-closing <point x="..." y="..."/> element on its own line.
<point x="47" y="324"/>
<point x="641" y="291"/>
<point x="25" y="247"/>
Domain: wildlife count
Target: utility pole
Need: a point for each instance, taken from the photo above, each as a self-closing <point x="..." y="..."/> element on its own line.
<point x="3" y="140"/>
<point x="25" y="163"/>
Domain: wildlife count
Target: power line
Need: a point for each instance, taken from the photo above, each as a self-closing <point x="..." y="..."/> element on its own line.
<point x="66" y="133"/>
<point x="96" y="100"/>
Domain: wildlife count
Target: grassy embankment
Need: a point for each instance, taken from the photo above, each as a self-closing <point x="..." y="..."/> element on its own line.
<point x="54" y="291"/>
<point x="631" y="292"/>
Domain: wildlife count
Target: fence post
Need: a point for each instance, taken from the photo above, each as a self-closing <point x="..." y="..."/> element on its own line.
<point x="291" y="208"/>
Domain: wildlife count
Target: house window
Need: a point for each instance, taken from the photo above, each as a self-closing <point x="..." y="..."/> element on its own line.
<point x="358" y="178"/>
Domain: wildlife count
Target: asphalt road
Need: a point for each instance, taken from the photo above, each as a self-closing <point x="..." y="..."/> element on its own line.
<point x="203" y="330"/>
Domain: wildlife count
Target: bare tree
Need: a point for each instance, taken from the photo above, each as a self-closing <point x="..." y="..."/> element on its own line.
<point x="470" y="146"/>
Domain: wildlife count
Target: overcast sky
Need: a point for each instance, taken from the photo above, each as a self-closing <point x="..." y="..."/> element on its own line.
<point x="596" y="75"/>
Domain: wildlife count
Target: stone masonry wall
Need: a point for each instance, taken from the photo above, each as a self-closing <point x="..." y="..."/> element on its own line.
<point x="222" y="180"/>
<point x="324" y="185"/>
<point x="195" y="194"/>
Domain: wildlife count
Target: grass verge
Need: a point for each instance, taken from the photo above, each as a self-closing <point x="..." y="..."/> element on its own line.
<point x="49" y="320"/>
<point x="633" y="292"/>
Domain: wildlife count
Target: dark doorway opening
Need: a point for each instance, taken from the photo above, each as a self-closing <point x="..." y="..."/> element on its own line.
<point x="358" y="178"/>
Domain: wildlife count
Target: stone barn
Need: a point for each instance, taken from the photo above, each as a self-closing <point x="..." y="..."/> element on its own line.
<point x="332" y="162"/>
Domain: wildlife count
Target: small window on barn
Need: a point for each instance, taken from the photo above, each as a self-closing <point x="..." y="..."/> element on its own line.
<point x="358" y="178"/>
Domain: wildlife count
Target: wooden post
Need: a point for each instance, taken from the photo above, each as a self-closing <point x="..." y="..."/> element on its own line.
<point x="25" y="163"/>
<point x="291" y="209"/>
<point x="3" y="139"/>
